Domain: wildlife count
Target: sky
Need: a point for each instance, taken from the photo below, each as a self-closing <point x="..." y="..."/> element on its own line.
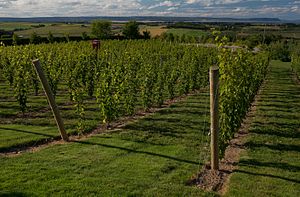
<point x="283" y="9"/>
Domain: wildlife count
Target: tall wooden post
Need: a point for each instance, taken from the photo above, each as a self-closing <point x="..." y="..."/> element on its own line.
<point x="50" y="97"/>
<point x="214" y="116"/>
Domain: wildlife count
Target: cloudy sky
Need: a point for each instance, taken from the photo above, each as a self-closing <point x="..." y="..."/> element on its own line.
<point x="284" y="9"/>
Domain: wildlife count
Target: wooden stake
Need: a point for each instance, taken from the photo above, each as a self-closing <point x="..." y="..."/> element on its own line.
<point x="50" y="97"/>
<point x="214" y="116"/>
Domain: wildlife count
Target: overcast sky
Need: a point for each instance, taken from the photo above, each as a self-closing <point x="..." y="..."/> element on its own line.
<point x="284" y="9"/>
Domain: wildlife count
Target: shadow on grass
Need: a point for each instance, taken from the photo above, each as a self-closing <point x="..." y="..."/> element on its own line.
<point x="285" y="133"/>
<point x="283" y="166"/>
<point x="14" y="194"/>
<point x="185" y="112"/>
<point x="268" y="175"/>
<point x="30" y="132"/>
<point x="139" y="152"/>
<point x="155" y="129"/>
<point x="277" y="147"/>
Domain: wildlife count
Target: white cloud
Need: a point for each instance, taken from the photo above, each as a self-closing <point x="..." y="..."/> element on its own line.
<point x="165" y="3"/>
<point x="215" y="8"/>
<point x="212" y="2"/>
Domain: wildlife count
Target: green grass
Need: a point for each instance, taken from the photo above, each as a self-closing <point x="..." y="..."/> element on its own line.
<point x="40" y="117"/>
<point x="13" y="135"/>
<point x="10" y="26"/>
<point x="187" y="32"/>
<point x="271" y="164"/>
<point x="15" y="128"/>
<point x="154" y="156"/>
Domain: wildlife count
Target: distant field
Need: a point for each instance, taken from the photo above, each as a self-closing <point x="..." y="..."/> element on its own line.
<point x="284" y="31"/>
<point x="57" y="30"/>
<point x="154" y="30"/>
<point x="188" y="32"/>
<point x="10" y="26"/>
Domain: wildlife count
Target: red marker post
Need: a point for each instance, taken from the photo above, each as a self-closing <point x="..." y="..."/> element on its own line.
<point x="96" y="45"/>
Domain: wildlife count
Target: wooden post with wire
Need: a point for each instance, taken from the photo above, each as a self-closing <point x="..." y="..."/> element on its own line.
<point x="214" y="116"/>
<point x="50" y="98"/>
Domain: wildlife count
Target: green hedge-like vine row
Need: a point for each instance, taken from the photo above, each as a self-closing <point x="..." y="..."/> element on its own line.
<point x="296" y="60"/>
<point x="127" y="74"/>
<point x="241" y="74"/>
<point x="121" y="76"/>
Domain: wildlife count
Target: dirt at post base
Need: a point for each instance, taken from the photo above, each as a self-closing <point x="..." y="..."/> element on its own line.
<point x="218" y="180"/>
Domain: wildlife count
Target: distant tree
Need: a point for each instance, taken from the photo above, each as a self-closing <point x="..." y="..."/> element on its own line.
<point x="131" y="30"/>
<point x="176" y="38"/>
<point x="15" y="39"/>
<point x="146" y="34"/>
<point x="50" y="37"/>
<point x="34" y="38"/>
<point x="183" y="38"/>
<point x="101" y="29"/>
<point x="280" y="51"/>
<point x="67" y="37"/>
<point x="171" y="37"/>
<point x="84" y="36"/>
<point x="163" y="36"/>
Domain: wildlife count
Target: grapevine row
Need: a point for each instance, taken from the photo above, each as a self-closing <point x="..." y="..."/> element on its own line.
<point x="125" y="75"/>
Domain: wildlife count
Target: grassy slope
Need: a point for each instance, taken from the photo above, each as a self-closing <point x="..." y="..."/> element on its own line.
<point x="154" y="156"/>
<point x="271" y="164"/>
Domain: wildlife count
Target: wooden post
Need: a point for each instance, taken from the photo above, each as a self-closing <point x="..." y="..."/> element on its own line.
<point x="214" y="116"/>
<point x="50" y="97"/>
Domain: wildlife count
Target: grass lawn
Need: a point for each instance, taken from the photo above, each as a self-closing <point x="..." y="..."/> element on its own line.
<point x="154" y="156"/>
<point x="271" y="164"/>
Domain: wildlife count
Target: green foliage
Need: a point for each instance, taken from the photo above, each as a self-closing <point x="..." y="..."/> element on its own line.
<point x="101" y="29"/>
<point x="34" y="38"/>
<point x="50" y="37"/>
<point x="130" y="74"/>
<point x="131" y="30"/>
<point x="67" y="37"/>
<point x="295" y="59"/>
<point x="241" y="74"/>
<point x="280" y="51"/>
<point x="123" y="76"/>
<point x="16" y="39"/>
<point x="84" y="36"/>
<point x="146" y="34"/>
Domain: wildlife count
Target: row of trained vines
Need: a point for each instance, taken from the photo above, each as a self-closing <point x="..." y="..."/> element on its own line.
<point x="128" y="75"/>
<point x="122" y="76"/>
<point x="296" y="60"/>
<point x="241" y="75"/>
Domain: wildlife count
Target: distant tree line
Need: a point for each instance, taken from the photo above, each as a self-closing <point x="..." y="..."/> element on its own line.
<point x="101" y="29"/>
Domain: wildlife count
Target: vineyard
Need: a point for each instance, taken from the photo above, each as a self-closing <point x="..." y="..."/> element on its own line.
<point x="127" y="76"/>
<point x="296" y="60"/>
<point x="123" y="78"/>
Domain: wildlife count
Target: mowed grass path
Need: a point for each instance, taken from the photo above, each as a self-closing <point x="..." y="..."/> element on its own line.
<point x="271" y="164"/>
<point x="155" y="156"/>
